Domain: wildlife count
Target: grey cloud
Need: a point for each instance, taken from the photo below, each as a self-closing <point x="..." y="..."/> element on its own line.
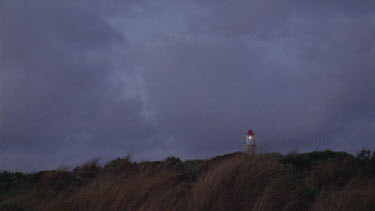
<point x="56" y="84"/>
<point x="238" y="18"/>
<point x="304" y="97"/>
<point x="83" y="80"/>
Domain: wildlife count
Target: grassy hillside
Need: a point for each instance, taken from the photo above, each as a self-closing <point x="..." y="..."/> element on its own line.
<point x="311" y="181"/>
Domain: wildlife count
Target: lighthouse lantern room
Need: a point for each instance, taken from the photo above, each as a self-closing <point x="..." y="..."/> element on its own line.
<point x="250" y="143"/>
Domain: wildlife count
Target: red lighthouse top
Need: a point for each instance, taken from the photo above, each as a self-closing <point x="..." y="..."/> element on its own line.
<point x="250" y="132"/>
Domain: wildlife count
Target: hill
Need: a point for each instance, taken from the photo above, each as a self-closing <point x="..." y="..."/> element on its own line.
<point x="323" y="180"/>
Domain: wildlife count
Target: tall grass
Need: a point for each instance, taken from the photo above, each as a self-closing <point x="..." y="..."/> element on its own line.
<point x="309" y="181"/>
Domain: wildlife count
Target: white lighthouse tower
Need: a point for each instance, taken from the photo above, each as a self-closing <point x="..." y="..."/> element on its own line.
<point x="250" y="143"/>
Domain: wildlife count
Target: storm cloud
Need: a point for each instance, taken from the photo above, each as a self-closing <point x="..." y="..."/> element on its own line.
<point x="81" y="79"/>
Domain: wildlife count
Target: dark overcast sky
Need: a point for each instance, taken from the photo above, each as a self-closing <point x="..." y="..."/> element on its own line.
<point x="85" y="79"/>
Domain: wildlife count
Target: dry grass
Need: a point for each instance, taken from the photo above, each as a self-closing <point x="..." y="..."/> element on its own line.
<point x="358" y="194"/>
<point x="242" y="182"/>
<point x="230" y="182"/>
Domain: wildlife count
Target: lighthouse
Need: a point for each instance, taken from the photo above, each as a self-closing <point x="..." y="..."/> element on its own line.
<point x="250" y="143"/>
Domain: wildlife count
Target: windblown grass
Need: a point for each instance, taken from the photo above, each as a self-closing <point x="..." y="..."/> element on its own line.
<point x="309" y="181"/>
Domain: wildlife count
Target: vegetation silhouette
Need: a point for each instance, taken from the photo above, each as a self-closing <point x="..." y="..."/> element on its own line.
<point x="323" y="180"/>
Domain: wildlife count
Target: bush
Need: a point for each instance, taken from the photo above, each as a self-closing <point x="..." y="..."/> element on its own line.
<point x="324" y="180"/>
